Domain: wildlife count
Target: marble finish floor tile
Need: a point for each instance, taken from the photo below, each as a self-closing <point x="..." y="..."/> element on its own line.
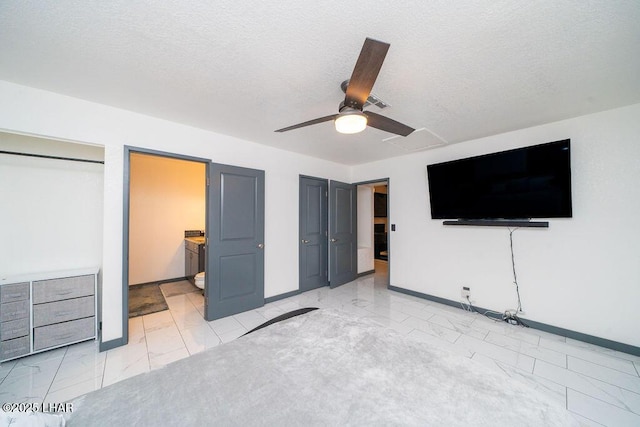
<point x="433" y="329"/>
<point x="73" y="391"/>
<point x="503" y="328"/>
<point x="597" y="357"/>
<point x="600" y="386"/>
<point x="124" y="362"/>
<point x="599" y="411"/>
<point x="199" y="338"/>
<point x="603" y="350"/>
<point x="5" y="368"/>
<point x="387" y="311"/>
<point x="500" y="354"/>
<point x="586" y="385"/>
<point x="159" y="360"/>
<point x="250" y="319"/>
<point x="603" y="373"/>
<point x="419" y="312"/>
<point x="224" y="325"/>
<point x="180" y="304"/>
<point x="439" y="342"/>
<point x="197" y="299"/>
<point x="232" y="335"/>
<point x="31" y="377"/>
<point x="527" y="348"/>
<point x="269" y="311"/>
<point x="188" y="319"/>
<point x="77" y="370"/>
<point x="466" y="328"/>
<point x="136" y="330"/>
<point x="555" y="391"/>
<point x="159" y="320"/>
<point x="162" y="341"/>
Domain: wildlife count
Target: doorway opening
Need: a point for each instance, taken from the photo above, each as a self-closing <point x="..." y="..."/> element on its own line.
<point x="373" y="230"/>
<point x="165" y="203"/>
<point x="352" y="219"/>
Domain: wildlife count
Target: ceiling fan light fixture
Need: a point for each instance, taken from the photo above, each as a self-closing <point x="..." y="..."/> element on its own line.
<point x="350" y="117"/>
<point x="351" y="122"/>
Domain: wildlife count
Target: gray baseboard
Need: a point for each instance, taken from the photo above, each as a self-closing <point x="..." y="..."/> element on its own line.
<point x="602" y="342"/>
<point x="366" y="273"/>
<point x="160" y="282"/>
<point x="281" y="296"/>
<point x="108" y="345"/>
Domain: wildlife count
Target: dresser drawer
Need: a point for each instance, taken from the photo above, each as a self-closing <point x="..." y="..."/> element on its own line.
<point x="14" y="310"/>
<point x="59" y="289"/>
<point x="62" y="311"/>
<point x="63" y="333"/>
<point x="14" y="292"/>
<point x="14" y="329"/>
<point x="14" y="348"/>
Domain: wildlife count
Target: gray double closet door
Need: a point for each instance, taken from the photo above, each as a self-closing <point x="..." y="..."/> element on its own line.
<point x="235" y="224"/>
<point x="327" y="232"/>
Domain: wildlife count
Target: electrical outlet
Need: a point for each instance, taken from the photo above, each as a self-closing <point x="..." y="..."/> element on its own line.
<point x="465" y="292"/>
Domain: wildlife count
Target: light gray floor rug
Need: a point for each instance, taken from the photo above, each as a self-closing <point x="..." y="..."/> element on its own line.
<point x="321" y="368"/>
<point x="178" y="288"/>
<point x="146" y="299"/>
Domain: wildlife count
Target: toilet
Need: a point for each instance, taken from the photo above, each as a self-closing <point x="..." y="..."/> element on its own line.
<point x="200" y="280"/>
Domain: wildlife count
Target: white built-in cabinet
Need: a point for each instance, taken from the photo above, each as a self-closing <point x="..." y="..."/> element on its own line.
<point x="43" y="311"/>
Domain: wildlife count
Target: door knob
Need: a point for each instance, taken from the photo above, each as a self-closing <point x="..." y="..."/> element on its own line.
<point x="304" y="241"/>
<point x="334" y="240"/>
<point x="260" y="245"/>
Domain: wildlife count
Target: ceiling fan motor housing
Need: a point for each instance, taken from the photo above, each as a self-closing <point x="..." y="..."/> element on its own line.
<point x="348" y="109"/>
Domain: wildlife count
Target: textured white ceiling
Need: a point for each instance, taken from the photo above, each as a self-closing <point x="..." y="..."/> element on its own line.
<point x="460" y="69"/>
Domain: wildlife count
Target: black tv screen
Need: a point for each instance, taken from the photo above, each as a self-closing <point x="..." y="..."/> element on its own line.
<point x="530" y="182"/>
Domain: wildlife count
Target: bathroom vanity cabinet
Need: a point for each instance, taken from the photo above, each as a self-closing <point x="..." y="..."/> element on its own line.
<point x="42" y="311"/>
<point x="193" y="257"/>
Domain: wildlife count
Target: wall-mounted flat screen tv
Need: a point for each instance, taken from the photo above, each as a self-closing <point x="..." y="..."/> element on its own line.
<point x="529" y="182"/>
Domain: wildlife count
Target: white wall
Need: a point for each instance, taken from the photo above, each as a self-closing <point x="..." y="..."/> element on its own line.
<point x="582" y="273"/>
<point x="51" y="214"/>
<point x="167" y="197"/>
<point x="365" y="228"/>
<point x="37" y="112"/>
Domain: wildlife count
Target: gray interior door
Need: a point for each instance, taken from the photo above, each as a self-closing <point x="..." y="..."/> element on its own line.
<point x="235" y="228"/>
<point x="343" y="235"/>
<point x="313" y="228"/>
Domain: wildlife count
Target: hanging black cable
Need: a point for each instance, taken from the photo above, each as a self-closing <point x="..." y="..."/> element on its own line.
<point x="510" y="317"/>
<point x="42" y="156"/>
<point x="513" y="266"/>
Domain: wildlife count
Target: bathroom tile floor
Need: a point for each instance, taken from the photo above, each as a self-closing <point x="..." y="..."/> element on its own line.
<point x="599" y="386"/>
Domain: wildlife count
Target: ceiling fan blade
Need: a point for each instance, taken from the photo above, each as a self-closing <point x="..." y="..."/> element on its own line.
<point x="386" y="124"/>
<point x="365" y="72"/>
<point x="309" y="123"/>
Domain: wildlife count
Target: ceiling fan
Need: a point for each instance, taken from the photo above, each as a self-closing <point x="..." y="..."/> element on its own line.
<point x="351" y="118"/>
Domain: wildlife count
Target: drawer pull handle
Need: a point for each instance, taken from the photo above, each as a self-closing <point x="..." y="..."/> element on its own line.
<point x="62" y="313"/>
<point x="64" y="337"/>
<point x="65" y="292"/>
